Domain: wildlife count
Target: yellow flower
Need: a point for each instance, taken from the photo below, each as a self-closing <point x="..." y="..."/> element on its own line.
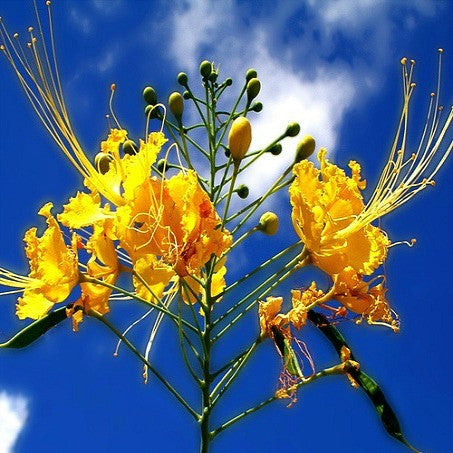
<point x="357" y="295"/>
<point x="325" y="202"/>
<point x="173" y="219"/>
<point x="53" y="270"/>
<point x="329" y="213"/>
<point x="83" y="210"/>
<point x="270" y="316"/>
<point x="302" y="301"/>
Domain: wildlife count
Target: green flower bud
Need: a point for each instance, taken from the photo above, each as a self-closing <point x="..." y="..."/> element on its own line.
<point x="205" y="69"/>
<point x="229" y="82"/>
<point x="162" y="165"/>
<point x="182" y="79"/>
<point x="129" y="147"/>
<point x="102" y="162"/>
<point x="305" y="148"/>
<point x="239" y="138"/>
<point x="292" y="130"/>
<point x="154" y="111"/>
<point x="242" y="191"/>
<point x="250" y="74"/>
<point x="176" y="104"/>
<point x="213" y="76"/>
<point x="276" y="149"/>
<point x="150" y="96"/>
<point x="186" y="95"/>
<point x="253" y="89"/>
<point x="257" y="107"/>
<point x="268" y="223"/>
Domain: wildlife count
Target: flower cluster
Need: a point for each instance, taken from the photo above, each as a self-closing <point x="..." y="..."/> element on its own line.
<point x="145" y="210"/>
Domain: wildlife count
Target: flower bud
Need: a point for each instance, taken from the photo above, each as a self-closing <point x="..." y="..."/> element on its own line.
<point x="242" y="191"/>
<point x="154" y="111"/>
<point x="250" y="74"/>
<point x="239" y="138"/>
<point x="257" y="107"/>
<point x="182" y="79"/>
<point x="186" y="95"/>
<point x="253" y="89"/>
<point x="129" y="147"/>
<point x="275" y="150"/>
<point x="213" y="76"/>
<point x="292" y="130"/>
<point x="305" y="148"/>
<point x="176" y="104"/>
<point x="150" y="96"/>
<point x="205" y="69"/>
<point x="162" y="165"/>
<point x="228" y="82"/>
<point x="102" y="162"/>
<point x="268" y="223"/>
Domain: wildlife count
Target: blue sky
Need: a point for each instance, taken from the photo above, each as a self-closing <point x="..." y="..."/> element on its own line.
<point x="332" y="66"/>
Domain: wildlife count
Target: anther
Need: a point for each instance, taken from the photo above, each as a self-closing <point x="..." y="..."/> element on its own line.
<point x="413" y="62"/>
<point x="30" y="29"/>
<point x="440" y="50"/>
<point x="413" y="84"/>
<point x="413" y="156"/>
<point x="16" y="35"/>
<point x="112" y="87"/>
<point x="413" y="241"/>
<point x="432" y="95"/>
<point x="403" y="60"/>
<point x="48" y="3"/>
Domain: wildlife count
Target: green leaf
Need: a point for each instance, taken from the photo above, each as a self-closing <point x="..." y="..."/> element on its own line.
<point x="368" y="384"/>
<point x="35" y="329"/>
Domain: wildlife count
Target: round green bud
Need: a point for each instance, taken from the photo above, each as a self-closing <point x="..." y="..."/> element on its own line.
<point x="276" y="149"/>
<point x="205" y="68"/>
<point x="176" y="104"/>
<point x="162" y="165"/>
<point x="253" y="89"/>
<point x="292" y="130"/>
<point x="154" y="111"/>
<point x="242" y="191"/>
<point x="257" y="107"/>
<point x="305" y="148"/>
<point x="186" y="95"/>
<point x="129" y="147"/>
<point x="182" y="79"/>
<point x="102" y="162"/>
<point x="149" y="94"/>
<point x="268" y="223"/>
<point x="213" y="76"/>
<point x="250" y="74"/>
<point x="229" y="82"/>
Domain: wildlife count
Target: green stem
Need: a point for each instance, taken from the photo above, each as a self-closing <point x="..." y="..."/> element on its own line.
<point x="342" y="368"/>
<point x="232" y="374"/>
<point x="258" y="201"/>
<point x="278" y="278"/>
<point x="250" y="274"/>
<point x="174" y="392"/>
<point x="269" y="192"/>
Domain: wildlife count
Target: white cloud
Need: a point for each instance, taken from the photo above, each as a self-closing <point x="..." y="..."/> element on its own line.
<point x="107" y="7"/>
<point x="13" y="415"/>
<point x="310" y="75"/>
<point x="81" y="21"/>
